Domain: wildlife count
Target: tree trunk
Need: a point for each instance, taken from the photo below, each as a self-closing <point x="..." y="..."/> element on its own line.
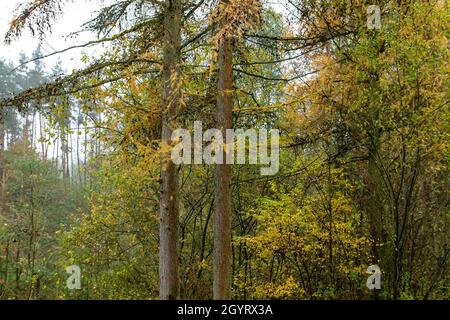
<point x="78" y="152"/>
<point x="222" y="217"/>
<point x="85" y="167"/>
<point x="26" y="133"/>
<point x="41" y="133"/>
<point x="2" y="148"/>
<point x="168" y="232"/>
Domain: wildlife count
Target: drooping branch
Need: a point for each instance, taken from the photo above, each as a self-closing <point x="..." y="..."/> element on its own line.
<point x="37" y="16"/>
<point x="73" y="83"/>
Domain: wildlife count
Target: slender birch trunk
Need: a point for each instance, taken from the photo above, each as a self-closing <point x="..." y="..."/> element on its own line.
<point x="168" y="263"/>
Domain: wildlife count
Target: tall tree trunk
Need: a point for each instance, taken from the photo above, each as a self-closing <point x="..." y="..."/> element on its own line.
<point x="168" y="232"/>
<point x="70" y="164"/>
<point x="2" y="148"/>
<point x="26" y="133"/>
<point x="78" y="151"/>
<point x="42" y="137"/>
<point x="18" y="270"/>
<point x="85" y="167"/>
<point x="2" y="129"/>
<point x="56" y="149"/>
<point x="374" y="182"/>
<point x="64" y="168"/>
<point x="222" y="216"/>
<point x="33" y="129"/>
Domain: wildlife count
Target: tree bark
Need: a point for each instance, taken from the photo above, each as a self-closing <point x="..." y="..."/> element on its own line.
<point x="222" y="217"/>
<point x="168" y="263"/>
